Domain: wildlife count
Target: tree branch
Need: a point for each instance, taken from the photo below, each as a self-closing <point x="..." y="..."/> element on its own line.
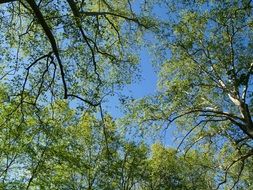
<point x="7" y="1"/>
<point x="51" y="38"/>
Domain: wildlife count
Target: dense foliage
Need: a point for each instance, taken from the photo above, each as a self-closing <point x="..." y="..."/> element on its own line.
<point x="61" y="60"/>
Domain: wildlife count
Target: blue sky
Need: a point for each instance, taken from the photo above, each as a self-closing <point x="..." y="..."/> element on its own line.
<point x="145" y="86"/>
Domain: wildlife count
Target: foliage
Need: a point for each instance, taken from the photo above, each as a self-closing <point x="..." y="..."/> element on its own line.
<point x="57" y="150"/>
<point x="205" y="84"/>
<point x="167" y="170"/>
<point x="66" y="49"/>
<point x="60" y="60"/>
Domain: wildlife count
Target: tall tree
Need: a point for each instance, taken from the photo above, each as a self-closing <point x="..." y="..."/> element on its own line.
<point x="68" y="49"/>
<point x="205" y="84"/>
<point x="54" y="50"/>
<point x="52" y="148"/>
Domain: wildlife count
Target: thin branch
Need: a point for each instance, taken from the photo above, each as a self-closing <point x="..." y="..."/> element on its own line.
<point x="51" y="38"/>
<point x="84" y="100"/>
<point x="198" y="124"/>
<point x="241" y="158"/>
<point x="113" y="14"/>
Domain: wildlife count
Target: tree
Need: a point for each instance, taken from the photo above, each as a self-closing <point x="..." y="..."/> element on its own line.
<point x="215" y="47"/>
<point x="55" y="50"/>
<point x="205" y="86"/>
<point x="68" y="49"/>
<point x="168" y="170"/>
<point x="52" y="148"/>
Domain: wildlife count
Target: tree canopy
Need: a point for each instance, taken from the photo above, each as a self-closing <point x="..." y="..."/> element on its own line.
<point x="61" y="60"/>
